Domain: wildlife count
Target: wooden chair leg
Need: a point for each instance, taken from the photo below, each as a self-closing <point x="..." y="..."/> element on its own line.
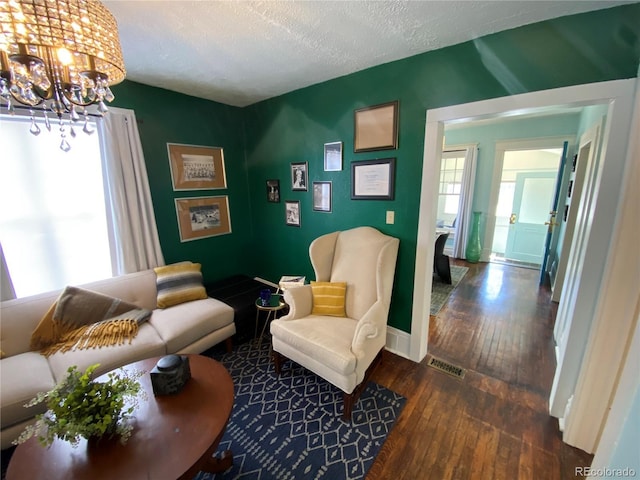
<point x="228" y="343"/>
<point x="277" y="362"/>
<point x="350" y="399"/>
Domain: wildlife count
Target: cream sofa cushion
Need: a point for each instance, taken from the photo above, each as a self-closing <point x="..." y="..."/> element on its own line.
<point x="179" y="327"/>
<point x="22" y="377"/>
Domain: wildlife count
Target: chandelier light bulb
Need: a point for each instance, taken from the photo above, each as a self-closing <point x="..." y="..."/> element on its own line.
<point x="65" y="56"/>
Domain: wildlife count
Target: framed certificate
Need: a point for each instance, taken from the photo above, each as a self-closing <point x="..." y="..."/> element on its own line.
<point x="373" y="179"/>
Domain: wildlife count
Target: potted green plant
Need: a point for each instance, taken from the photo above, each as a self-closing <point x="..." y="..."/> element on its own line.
<point x="81" y="407"/>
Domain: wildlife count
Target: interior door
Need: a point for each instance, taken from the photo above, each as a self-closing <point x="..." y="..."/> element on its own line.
<point x="531" y="205"/>
<point x="552" y="233"/>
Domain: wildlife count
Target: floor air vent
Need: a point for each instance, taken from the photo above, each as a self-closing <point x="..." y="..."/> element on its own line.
<point x="447" y="367"/>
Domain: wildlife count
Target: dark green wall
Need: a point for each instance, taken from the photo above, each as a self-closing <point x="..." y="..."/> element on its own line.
<point x="268" y="136"/>
<point x="167" y="117"/>
<point x="587" y="48"/>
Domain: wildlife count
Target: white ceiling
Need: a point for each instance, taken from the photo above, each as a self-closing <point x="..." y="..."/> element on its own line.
<point x="241" y="52"/>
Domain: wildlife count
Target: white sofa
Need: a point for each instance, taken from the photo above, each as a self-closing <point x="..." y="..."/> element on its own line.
<point x="190" y="327"/>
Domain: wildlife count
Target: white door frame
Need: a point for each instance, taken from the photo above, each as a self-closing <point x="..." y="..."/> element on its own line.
<point x="619" y="95"/>
<point x="609" y="372"/>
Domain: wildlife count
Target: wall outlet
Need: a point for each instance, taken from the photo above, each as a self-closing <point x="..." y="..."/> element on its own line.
<point x="391" y="217"/>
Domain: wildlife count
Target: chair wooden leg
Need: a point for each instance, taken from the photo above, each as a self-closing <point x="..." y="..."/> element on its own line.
<point x="350" y="399"/>
<point x="229" y="345"/>
<point x="277" y="362"/>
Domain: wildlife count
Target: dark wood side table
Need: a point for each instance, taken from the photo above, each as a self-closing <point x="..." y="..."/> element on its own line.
<point x="174" y="436"/>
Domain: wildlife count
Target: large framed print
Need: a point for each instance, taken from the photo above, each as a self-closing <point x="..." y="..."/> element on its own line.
<point x="376" y="128"/>
<point x="195" y="167"/>
<point x="202" y="217"/>
<point x="373" y="179"/>
<point x="333" y="157"/>
<point x="322" y="196"/>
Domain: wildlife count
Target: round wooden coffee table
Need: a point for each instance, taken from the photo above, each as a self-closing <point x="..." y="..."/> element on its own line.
<point x="174" y="436"/>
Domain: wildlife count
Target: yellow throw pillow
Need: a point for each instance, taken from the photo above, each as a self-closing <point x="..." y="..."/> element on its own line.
<point x="328" y="298"/>
<point x="179" y="283"/>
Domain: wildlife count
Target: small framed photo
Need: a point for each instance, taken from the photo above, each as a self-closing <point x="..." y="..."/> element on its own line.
<point x="292" y="209"/>
<point x="273" y="191"/>
<point x="373" y="179"/>
<point x="299" y="176"/>
<point x="201" y="217"/>
<point x="376" y="128"/>
<point x="322" y="196"/>
<point x="333" y="157"/>
<point x="196" y="168"/>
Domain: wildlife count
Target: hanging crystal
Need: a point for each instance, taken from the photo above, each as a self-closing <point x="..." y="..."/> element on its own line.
<point x="73" y="114"/>
<point x="35" y="129"/>
<point x="64" y="144"/>
<point x="87" y="127"/>
<point x="47" y="123"/>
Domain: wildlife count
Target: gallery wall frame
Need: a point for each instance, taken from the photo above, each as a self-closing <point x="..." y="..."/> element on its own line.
<point x="299" y="176"/>
<point x="202" y="217"/>
<point x="195" y="167"/>
<point x="376" y="127"/>
<point x="292" y="212"/>
<point x="273" y="191"/>
<point x="333" y="157"/>
<point x="373" y="179"/>
<point x="322" y="196"/>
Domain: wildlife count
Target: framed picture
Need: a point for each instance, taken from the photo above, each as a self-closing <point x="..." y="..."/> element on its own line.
<point x="273" y="191"/>
<point x="196" y="168"/>
<point x="299" y="176"/>
<point x="373" y="179"/>
<point x="202" y="217"/>
<point x="333" y="157"/>
<point x="322" y="196"/>
<point x="292" y="209"/>
<point x="376" y="128"/>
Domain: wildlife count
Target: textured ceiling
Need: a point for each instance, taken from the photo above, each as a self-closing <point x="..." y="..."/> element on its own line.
<point x="241" y="52"/>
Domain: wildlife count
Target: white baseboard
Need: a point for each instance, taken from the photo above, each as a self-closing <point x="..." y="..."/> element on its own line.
<point x="398" y="342"/>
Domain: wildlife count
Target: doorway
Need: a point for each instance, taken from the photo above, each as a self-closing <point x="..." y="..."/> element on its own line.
<point x="525" y="195"/>
<point x="592" y="283"/>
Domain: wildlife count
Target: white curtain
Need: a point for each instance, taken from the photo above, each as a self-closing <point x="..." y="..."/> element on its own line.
<point x="463" y="222"/>
<point x="7" y="292"/>
<point x="135" y="244"/>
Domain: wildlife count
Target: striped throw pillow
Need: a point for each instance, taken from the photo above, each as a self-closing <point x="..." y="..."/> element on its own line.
<point x="328" y="298"/>
<point x="179" y="283"/>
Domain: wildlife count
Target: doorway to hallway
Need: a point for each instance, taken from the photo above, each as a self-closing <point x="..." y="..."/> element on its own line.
<point x="525" y="199"/>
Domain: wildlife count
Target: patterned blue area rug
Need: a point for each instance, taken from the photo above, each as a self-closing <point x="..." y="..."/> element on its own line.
<point x="289" y="427"/>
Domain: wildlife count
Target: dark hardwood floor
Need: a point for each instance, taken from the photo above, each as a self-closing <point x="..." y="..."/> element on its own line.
<point x="494" y="423"/>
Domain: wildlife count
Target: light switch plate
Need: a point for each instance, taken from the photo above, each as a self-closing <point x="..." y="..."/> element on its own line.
<point x="391" y="217"/>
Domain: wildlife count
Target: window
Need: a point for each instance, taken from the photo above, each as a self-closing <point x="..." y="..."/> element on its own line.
<point x="53" y="223"/>
<point x="451" y="171"/>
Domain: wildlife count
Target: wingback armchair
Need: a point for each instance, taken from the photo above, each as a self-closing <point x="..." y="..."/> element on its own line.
<point x="341" y="347"/>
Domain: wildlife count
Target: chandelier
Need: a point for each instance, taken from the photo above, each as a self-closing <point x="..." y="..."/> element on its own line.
<point x="58" y="57"/>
